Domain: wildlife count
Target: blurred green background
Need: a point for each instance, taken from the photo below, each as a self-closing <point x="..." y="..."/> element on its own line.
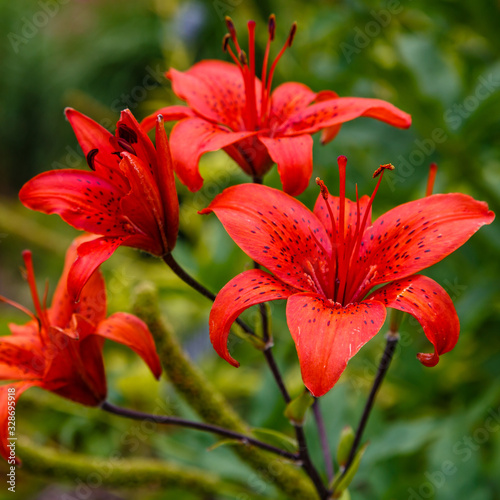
<point x="440" y="61"/>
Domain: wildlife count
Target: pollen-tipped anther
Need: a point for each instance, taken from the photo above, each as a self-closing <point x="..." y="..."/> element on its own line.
<point x="293" y="30"/>
<point x="225" y="41"/>
<point x="271" y="26"/>
<point x="387" y="166"/>
<point x="323" y="188"/>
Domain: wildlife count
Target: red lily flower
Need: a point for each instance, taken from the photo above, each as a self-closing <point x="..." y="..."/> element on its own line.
<point x="60" y="349"/>
<point x="327" y="263"/>
<point x="129" y="198"/>
<point x="230" y="108"/>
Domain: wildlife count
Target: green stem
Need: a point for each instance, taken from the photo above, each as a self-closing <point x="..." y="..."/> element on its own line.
<point x="211" y="405"/>
<point x="132" y="473"/>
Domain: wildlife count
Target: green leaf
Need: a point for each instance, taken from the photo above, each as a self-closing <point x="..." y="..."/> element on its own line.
<point x="276" y="438"/>
<point x="296" y="409"/>
<point x="345" y="444"/>
<point x="341" y="482"/>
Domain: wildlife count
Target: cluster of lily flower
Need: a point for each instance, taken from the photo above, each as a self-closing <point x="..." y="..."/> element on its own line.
<point x="337" y="269"/>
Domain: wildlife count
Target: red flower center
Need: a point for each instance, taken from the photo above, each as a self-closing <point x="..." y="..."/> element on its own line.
<point x="254" y="118"/>
<point x="344" y="278"/>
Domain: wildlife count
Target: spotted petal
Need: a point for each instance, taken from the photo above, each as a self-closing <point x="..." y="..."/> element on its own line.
<point x="429" y="303"/>
<point x="327" y="335"/>
<point x="215" y="90"/>
<point x="336" y="111"/>
<point x="243" y="291"/>
<point x="83" y="199"/>
<point x="413" y="236"/>
<point x="277" y="231"/>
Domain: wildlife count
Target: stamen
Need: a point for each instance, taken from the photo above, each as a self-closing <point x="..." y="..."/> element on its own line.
<point x="342" y="250"/>
<point x="243" y="58"/>
<point x="17" y="306"/>
<point x="287" y="44"/>
<point x="126" y="146"/>
<point x="126" y="133"/>
<point x="90" y="158"/>
<point x="432" y="177"/>
<point x="225" y="42"/>
<point x="252" y="105"/>
<point x="28" y="261"/>
<point x="271" y="27"/>
<point x="380" y="171"/>
<point x="333" y="265"/>
<point x="232" y="33"/>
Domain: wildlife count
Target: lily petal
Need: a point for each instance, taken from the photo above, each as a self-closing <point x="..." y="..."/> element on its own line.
<point x="166" y="185"/>
<point x="143" y="204"/>
<point x="287" y="99"/>
<point x="169" y="113"/>
<point x="336" y="111"/>
<point x="192" y="137"/>
<point x="215" y="90"/>
<point x="21" y="356"/>
<point x="243" y="291"/>
<point x="91" y="255"/>
<point x="293" y="156"/>
<point x="83" y="199"/>
<point x="429" y="303"/>
<point x="327" y="335"/>
<point x="92" y="136"/>
<point x="277" y="231"/>
<point x="128" y="129"/>
<point x="92" y="304"/>
<point x="415" y="235"/>
<point x="328" y="133"/>
<point x="129" y="330"/>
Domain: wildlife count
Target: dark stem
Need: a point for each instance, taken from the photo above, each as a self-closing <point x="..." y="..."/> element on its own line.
<point x="385" y="361"/>
<point x="167" y="420"/>
<point x="257" y="179"/>
<point x="325" y="447"/>
<point x="189" y="280"/>
<point x="268" y="353"/>
<point x="308" y="466"/>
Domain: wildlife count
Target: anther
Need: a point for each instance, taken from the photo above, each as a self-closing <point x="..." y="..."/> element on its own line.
<point x="292" y="34"/>
<point x="91" y="158"/>
<point x="243" y="58"/>
<point x="225" y="41"/>
<point x="387" y="166"/>
<point x="271" y="26"/>
<point x="323" y="188"/>
<point x="230" y="27"/>
<point x="126" y="146"/>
